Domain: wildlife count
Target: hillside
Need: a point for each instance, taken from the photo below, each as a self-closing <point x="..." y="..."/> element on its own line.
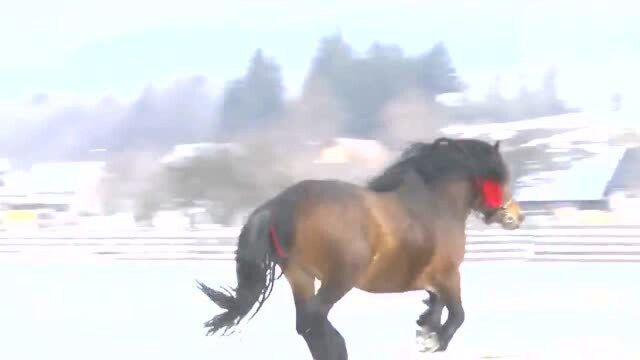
<point x="159" y="118"/>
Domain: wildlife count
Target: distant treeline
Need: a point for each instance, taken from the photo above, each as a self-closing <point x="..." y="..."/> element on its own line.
<point x="357" y="95"/>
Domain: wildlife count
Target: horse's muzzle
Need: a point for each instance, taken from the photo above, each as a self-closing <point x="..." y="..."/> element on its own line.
<point x="505" y="219"/>
<point x="509" y="221"/>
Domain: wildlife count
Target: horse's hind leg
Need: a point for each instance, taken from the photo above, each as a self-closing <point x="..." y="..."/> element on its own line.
<point x="303" y="289"/>
<point x="323" y="340"/>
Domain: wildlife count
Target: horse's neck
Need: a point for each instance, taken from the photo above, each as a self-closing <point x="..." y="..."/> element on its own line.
<point x="457" y="196"/>
<point x="451" y="199"/>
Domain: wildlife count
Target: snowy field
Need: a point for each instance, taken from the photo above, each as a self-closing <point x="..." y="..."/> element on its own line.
<point x="128" y="310"/>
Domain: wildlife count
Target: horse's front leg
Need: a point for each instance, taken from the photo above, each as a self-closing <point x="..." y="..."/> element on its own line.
<point x="431" y="319"/>
<point x="430" y="322"/>
<point x="432" y="337"/>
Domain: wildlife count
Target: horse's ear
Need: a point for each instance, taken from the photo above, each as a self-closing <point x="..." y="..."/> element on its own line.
<point x="497" y="145"/>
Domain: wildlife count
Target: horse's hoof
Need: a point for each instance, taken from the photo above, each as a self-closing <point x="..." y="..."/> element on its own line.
<point x="427" y="341"/>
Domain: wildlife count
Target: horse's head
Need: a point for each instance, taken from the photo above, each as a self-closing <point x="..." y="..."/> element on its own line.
<point x="494" y="199"/>
<point x="497" y="205"/>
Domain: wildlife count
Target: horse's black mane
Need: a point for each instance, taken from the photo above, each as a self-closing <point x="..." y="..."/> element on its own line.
<point x="443" y="159"/>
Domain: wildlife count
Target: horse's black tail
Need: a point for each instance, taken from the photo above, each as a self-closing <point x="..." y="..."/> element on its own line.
<point x="255" y="270"/>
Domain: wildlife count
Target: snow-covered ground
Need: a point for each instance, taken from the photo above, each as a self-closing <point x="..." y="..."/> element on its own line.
<point x="152" y="310"/>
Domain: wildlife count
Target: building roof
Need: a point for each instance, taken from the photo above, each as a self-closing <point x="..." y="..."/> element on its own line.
<point x="627" y="173"/>
<point x="181" y="152"/>
<point x="585" y="180"/>
<point x="368" y="153"/>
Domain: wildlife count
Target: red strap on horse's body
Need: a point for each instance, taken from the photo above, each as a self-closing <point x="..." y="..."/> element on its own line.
<point x="491" y="193"/>
<point x="276" y="243"/>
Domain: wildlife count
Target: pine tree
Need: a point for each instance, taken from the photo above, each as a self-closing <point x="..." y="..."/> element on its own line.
<point x="253" y="101"/>
<point x="436" y="72"/>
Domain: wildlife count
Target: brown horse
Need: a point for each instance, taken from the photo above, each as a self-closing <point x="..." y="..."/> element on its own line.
<point x="404" y="231"/>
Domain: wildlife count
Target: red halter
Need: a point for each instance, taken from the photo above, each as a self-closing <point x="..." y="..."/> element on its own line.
<point x="491" y="193"/>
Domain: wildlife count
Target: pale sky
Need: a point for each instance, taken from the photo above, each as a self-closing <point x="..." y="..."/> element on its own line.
<point x="95" y="48"/>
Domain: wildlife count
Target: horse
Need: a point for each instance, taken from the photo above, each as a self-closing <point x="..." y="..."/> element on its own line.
<point x="404" y="230"/>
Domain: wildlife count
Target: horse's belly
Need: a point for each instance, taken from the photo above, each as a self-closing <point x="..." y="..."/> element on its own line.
<point x="388" y="274"/>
